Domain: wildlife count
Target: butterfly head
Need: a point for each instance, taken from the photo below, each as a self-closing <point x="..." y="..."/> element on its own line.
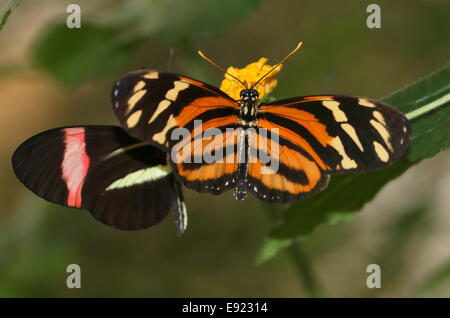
<point x="249" y="95"/>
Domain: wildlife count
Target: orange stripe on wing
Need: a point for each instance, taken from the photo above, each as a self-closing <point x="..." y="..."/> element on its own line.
<point x="281" y="183"/>
<point x="189" y="113"/>
<point x="192" y="81"/>
<point x="307" y="120"/>
<point x="214" y="102"/>
<point x="289" y="112"/>
<point x="317" y="97"/>
<point x="303" y="100"/>
<point x="213" y="123"/>
<point x="189" y="148"/>
<point x="294" y="138"/>
<point x="286" y="156"/>
<point x="210" y="171"/>
<point x="296" y="161"/>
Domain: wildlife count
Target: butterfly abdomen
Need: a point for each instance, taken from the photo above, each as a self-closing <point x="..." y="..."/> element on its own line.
<point x="240" y="191"/>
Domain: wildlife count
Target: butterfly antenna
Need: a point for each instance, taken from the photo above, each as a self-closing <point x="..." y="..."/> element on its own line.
<point x="219" y="67"/>
<point x="299" y="45"/>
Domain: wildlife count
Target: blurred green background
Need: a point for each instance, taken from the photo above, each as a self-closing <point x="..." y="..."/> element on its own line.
<point x="51" y="76"/>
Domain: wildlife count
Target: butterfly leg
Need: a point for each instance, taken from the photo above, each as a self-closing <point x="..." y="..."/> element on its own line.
<point x="179" y="208"/>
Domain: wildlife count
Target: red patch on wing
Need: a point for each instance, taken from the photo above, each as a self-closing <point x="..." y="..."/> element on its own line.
<point x="75" y="164"/>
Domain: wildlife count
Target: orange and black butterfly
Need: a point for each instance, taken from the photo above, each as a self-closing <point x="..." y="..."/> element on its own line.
<point x="281" y="152"/>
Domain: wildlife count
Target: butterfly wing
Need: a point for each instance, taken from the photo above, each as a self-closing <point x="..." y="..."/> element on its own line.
<point x="121" y="181"/>
<point x="151" y="104"/>
<point x="343" y="134"/>
<point x="322" y="135"/>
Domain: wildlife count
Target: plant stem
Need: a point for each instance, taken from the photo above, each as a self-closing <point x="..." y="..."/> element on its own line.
<point x="303" y="265"/>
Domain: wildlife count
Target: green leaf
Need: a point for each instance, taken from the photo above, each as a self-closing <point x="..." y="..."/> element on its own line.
<point x="270" y="248"/>
<point x="437" y="279"/>
<point x="74" y="55"/>
<point x="203" y="18"/>
<point x="6" y="11"/>
<point x="426" y="104"/>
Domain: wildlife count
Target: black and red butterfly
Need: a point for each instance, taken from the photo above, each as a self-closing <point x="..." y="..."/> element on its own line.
<point x="122" y="181"/>
<point x="306" y="138"/>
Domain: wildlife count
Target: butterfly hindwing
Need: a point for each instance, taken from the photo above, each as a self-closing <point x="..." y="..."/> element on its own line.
<point x="131" y="187"/>
<point x="121" y="181"/>
<point x="279" y="171"/>
<point x="150" y="104"/>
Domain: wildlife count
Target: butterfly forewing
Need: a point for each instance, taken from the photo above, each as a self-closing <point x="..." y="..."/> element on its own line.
<point x="38" y="164"/>
<point x="342" y="134"/>
<point x="151" y="104"/>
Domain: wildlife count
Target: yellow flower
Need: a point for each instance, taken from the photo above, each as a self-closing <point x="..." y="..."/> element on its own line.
<point x="250" y="75"/>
